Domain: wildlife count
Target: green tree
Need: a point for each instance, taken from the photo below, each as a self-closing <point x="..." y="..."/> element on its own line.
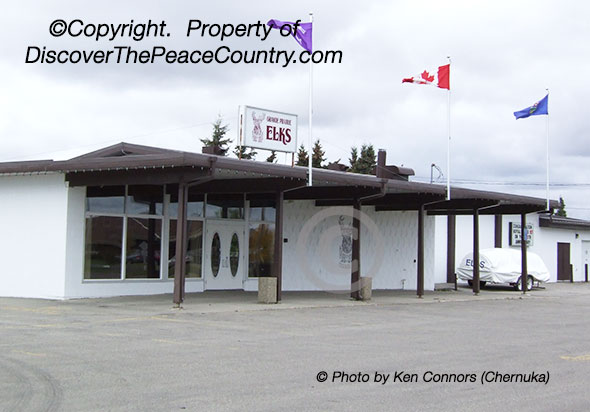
<point x="272" y="158"/>
<point x="366" y="162"/>
<point x="302" y="157"/>
<point x="561" y="209"/>
<point x="354" y="158"/>
<point x="218" y="136"/>
<point x="318" y="155"/>
<point x="245" y="153"/>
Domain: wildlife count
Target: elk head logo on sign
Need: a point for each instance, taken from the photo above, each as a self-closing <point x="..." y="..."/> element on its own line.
<point x="267" y="129"/>
<point x="257" y="130"/>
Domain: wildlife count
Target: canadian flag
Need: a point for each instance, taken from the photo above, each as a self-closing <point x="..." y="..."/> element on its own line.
<point x="441" y="80"/>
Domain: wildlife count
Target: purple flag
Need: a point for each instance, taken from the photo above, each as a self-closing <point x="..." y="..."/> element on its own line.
<point x="302" y="31"/>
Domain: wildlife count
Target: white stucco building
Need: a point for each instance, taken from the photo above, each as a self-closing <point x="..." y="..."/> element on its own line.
<point x="114" y="221"/>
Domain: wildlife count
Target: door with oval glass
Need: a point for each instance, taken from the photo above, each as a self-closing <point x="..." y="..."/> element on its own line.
<point x="224" y="255"/>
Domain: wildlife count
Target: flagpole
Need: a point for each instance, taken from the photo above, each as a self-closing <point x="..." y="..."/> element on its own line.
<point x="310" y="182"/>
<point x="547" y="124"/>
<point x="449" y="132"/>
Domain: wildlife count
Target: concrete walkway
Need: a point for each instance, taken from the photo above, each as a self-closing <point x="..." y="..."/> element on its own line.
<point x="240" y="301"/>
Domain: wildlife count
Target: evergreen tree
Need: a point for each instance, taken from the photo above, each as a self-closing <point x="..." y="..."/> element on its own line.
<point x="366" y="162"/>
<point x="218" y="135"/>
<point x="317" y="155"/>
<point x="561" y="209"/>
<point x="272" y="158"/>
<point x="302" y="157"/>
<point x="354" y="158"/>
<point x="246" y="153"/>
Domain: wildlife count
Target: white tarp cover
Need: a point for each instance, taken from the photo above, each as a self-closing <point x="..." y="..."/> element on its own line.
<point x="499" y="265"/>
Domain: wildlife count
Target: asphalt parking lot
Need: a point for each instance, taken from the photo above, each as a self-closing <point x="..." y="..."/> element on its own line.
<point x="224" y="352"/>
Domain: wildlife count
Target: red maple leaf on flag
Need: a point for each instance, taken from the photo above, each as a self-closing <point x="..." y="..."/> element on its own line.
<point x="426" y="76"/>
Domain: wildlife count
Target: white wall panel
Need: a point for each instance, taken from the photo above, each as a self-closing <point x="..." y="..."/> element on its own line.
<point x="318" y="268"/>
<point x="32" y="244"/>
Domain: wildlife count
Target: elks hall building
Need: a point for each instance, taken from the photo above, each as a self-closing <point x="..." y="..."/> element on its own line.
<point x="135" y="220"/>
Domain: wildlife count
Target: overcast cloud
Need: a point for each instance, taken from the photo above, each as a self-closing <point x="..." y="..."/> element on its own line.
<point x="504" y="55"/>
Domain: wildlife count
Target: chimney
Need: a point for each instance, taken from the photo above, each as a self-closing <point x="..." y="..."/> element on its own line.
<point x="380" y="169"/>
<point x="391" y="171"/>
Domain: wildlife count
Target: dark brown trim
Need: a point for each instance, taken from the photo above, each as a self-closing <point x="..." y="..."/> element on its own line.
<point x="248" y="185"/>
<point x="451" y="231"/>
<point x="563" y="222"/>
<point x="355" y="266"/>
<point x="27" y="166"/>
<point x="497" y="230"/>
<point x="277" y="265"/>
<point x="125" y="149"/>
<point x="476" y="251"/>
<point x="330" y="192"/>
<point x="151" y="176"/>
<point x="334" y="202"/>
<point x="181" y="241"/>
<point x="420" y="258"/>
<point x="524" y="270"/>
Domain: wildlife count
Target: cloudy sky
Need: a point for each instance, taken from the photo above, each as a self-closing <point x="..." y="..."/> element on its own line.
<point x="504" y="55"/>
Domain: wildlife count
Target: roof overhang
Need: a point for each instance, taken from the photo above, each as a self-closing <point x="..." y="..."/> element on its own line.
<point x="135" y="164"/>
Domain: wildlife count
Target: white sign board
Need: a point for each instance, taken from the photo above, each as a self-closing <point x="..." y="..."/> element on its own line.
<point x="516" y="235"/>
<point x="267" y="129"/>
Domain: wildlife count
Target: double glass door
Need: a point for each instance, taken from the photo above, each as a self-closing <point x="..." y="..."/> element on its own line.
<point x="224" y="255"/>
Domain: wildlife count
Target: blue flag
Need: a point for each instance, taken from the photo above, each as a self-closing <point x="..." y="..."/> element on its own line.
<point x="541" y="107"/>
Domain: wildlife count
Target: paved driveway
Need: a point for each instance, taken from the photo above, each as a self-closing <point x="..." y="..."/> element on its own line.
<point x="224" y="352"/>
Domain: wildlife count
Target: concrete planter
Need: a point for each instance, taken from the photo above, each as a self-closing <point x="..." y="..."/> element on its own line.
<point x="366" y="288"/>
<point x="267" y="290"/>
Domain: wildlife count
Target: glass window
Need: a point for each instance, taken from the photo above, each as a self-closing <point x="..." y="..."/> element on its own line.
<point x="194" y="252"/>
<point x="103" y="247"/>
<point x="261" y="249"/>
<point x="194" y="206"/>
<point x="262" y="214"/>
<point x="108" y="199"/>
<point x="143" y="248"/>
<point x="234" y="254"/>
<point x="262" y="210"/>
<point x="145" y="200"/>
<point x="215" y="254"/>
<point x="225" y="207"/>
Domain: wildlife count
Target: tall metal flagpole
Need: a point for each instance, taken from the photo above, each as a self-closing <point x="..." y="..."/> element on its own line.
<point x="449" y="131"/>
<point x="310" y="182"/>
<point x="547" y="188"/>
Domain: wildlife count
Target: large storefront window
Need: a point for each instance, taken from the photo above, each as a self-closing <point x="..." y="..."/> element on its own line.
<point x="143" y="248"/>
<point x="194" y="248"/>
<point x="129" y="216"/>
<point x="103" y="247"/>
<point x="261" y="238"/>
<point x="261" y="249"/>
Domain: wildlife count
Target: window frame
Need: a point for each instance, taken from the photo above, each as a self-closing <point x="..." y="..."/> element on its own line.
<point x="126" y="216"/>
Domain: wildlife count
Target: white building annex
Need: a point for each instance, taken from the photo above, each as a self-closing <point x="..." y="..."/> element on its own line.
<point x="135" y="220"/>
<point x="563" y="243"/>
